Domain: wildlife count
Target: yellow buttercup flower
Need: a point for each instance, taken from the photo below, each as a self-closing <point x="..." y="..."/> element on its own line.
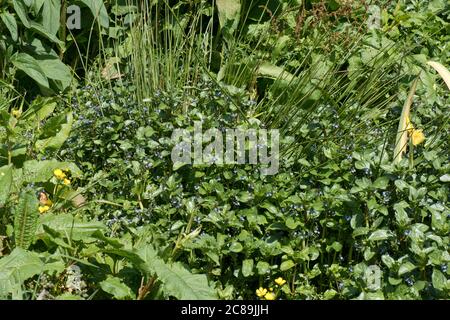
<point x="280" y="281"/>
<point x="261" y="292"/>
<point x="66" y="182"/>
<point x="417" y="137"/>
<point x="43" y="209"/>
<point x="270" y="296"/>
<point x="59" y="174"/>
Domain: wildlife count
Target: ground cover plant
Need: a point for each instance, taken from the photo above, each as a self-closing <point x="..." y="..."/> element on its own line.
<point x="92" y="205"/>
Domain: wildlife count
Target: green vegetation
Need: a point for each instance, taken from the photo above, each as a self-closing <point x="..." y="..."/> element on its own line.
<point x="93" y="207"/>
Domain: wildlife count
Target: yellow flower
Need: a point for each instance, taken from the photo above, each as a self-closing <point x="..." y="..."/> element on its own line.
<point x="417" y="137"/>
<point x="66" y="182"/>
<point x="261" y="292"/>
<point x="43" y="209"/>
<point x="16" y="113"/>
<point x="59" y="174"/>
<point x="270" y="296"/>
<point x="280" y="281"/>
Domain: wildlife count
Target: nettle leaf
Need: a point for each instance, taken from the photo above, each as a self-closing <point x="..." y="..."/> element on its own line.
<point x="26" y="217"/>
<point x="177" y="281"/>
<point x="17" y="267"/>
<point x="10" y="23"/>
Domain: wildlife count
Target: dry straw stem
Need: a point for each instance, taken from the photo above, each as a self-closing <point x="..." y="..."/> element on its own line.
<point x="443" y="71"/>
<point x="402" y="135"/>
<point x="402" y="132"/>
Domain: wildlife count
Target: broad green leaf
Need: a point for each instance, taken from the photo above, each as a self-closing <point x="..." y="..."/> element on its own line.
<point x="329" y="294"/>
<point x="37" y="5"/>
<point x="41" y="171"/>
<point x="244" y="196"/>
<point x="67" y="224"/>
<point x="6" y="177"/>
<point x="55" y="142"/>
<point x="388" y="260"/>
<point x="26" y="216"/>
<point x="50" y="15"/>
<point x="99" y="11"/>
<point x="291" y="223"/>
<point x="236" y="247"/>
<point x="380" y="235"/>
<point x="17" y="267"/>
<point x="400" y="214"/>
<point x="30" y="66"/>
<point x="55" y="69"/>
<point x="10" y="23"/>
<point x="38" y="28"/>
<point x="270" y="207"/>
<point x="381" y="183"/>
<point x="21" y="12"/>
<point x="405" y="268"/>
<point x="439" y="280"/>
<point x="336" y="246"/>
<point x="286" y="265"/>
<point x="39" y="109"/>
<point x="262" y="267"/>
<point x="269" y="70"/>
<point x="115" y="287"/>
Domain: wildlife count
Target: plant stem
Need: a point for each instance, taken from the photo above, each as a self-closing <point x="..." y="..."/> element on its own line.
<point x="144" y="290"/>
